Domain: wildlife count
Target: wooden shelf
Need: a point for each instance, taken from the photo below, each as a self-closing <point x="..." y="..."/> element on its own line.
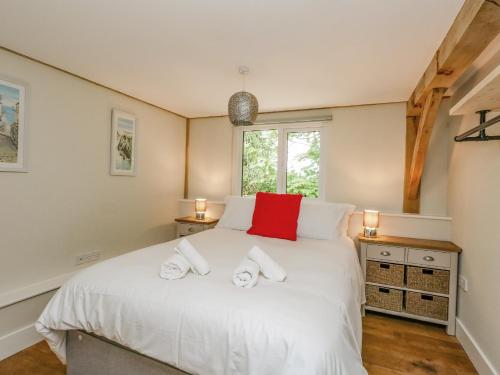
<point x="408" y="289"/>
<point x="412" y="242"/>
<point x="485" y="95"/>
<point x="193" y="220"/>
<point x="406" y="315"/>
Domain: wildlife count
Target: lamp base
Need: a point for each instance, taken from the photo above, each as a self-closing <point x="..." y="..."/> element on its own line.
<point x="370" y="232"/>
<point x="200" y="215"/>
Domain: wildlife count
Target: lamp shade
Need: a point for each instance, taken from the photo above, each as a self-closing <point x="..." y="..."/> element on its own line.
<point x="370" y="218"/>
<point x="243" y="108"/>
<point x="200" y="205"/>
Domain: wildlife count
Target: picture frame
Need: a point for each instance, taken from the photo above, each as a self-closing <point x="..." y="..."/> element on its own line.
<point x="123" y="145"/>
<point x="12" y="127"/>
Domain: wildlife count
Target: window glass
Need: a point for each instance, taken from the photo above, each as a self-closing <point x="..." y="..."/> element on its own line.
<point x="260" y="162"/>
<point x="303" y="157"/>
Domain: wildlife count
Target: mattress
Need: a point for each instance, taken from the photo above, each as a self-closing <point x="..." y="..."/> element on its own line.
<point x="309" y="324"/>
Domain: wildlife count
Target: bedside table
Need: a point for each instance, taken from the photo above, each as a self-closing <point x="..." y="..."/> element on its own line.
<point x="412" y="278"/>
<point x="191" y="225"/>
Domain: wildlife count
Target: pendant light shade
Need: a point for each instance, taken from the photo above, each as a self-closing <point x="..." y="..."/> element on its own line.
<point x="243" y="106"/>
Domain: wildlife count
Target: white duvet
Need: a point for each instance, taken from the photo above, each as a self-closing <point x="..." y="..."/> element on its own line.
<point x="309" y="324"/>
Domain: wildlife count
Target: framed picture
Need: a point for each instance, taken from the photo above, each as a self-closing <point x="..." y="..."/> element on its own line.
<point x="12" y="127"/>
<point x="123" y="144"/>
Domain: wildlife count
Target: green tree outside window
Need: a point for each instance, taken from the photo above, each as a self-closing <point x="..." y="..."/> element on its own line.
<point x="260" y="161"/>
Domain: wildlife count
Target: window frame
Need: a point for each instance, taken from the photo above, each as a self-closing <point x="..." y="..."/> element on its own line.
<point x="283" y="130"/>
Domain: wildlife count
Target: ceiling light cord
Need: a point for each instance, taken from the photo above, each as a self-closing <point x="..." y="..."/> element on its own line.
<point x="244" y="70"/>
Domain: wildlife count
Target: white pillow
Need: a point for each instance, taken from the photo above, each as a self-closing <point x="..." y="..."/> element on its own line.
<point x="323" y="220"/>
<point x="238" y="213"/>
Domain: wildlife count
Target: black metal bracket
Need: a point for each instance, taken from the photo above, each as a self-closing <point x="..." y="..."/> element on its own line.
<point x="483" y="124"/>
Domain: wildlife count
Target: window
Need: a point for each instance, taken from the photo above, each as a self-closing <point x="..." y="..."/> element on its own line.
<point x="279" y="159"/>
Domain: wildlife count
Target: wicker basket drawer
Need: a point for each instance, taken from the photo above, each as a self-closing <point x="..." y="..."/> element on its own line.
<point x="429" y="280"/>
<point x="384" y="298"/>
<point x="385" y="273"/>
<point x="427" y="305"/>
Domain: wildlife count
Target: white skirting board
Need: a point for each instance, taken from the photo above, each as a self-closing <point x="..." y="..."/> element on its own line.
<point x="476" y="355"/>
<point x="18" y="340"/>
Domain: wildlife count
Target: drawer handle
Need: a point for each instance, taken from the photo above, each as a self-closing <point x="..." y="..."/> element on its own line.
<point x="384" y="290"/>
<point x="427" y="297"/>
<point x="190" y="229"/>
<point x="385" y="266"/>
<point x="385" y="253"/>
<point x="427" y="271"/>
<point x="428" y="258"/>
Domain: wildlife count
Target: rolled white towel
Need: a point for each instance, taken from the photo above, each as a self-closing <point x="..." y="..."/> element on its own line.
<point x="174" y="267"/>
<point x="268" y="266"/>
<point x="199" y="264"/>
<point x="246" y="274"/>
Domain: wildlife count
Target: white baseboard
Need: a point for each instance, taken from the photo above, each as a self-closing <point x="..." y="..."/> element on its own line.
<point x="18" y="340"/>
<point x="476" y="355"/>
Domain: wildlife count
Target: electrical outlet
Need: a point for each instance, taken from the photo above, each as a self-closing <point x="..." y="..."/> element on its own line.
<point x="87" y="257"/>
<point x="463" y="283"/>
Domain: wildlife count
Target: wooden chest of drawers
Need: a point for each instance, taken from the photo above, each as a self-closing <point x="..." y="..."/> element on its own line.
<point x="190" y="225"/>
<point x="411" y="277"/>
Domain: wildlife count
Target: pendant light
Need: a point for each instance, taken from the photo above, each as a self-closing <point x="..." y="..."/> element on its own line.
<point x="243" y="106"/>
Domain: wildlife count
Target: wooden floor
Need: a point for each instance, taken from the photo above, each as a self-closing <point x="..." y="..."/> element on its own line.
<point x="399" y="346"/>
<point x="390" y="346"/>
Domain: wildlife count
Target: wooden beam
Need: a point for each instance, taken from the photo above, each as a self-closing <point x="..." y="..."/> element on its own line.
<point x="475" y="26"/>
<point x="424" y="131"/>
<point x="186" y="160"/>
<point x="410" y="205"/>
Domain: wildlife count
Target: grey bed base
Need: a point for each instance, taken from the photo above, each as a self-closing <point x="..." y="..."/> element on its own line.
<point x="88" y="354"/>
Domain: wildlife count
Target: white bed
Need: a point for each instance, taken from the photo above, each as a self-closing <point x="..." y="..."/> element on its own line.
<point x="310" y="324"/>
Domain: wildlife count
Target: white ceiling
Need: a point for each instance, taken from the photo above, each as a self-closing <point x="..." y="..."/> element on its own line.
<point x="183" y="55"/>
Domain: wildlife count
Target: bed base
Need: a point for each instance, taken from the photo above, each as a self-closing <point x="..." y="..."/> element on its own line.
<point x="88" y="354"/>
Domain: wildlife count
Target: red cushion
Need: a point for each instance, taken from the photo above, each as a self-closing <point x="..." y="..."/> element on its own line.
<point x="276" y="215"/>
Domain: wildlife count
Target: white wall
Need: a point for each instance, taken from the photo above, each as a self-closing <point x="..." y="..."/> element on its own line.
<point x="210" y="158"/>
<point x="364" y="157"/>
<point x="474" y="204"/>
<point x="434" y="184"/>
<point x="68" y="203"/>
<point x="474" y="201"/>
